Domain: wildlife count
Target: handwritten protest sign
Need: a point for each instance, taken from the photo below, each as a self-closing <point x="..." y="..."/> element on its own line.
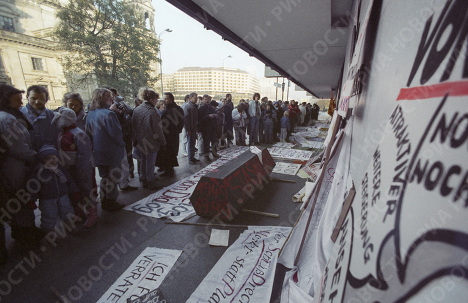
<point x="144" y="275"/>
<point x="174" y="201"/>
<point x="286" y="168"/>
<point x="246" y="270"/>
<point x="154" y="296"/>
<point x="290" y="154"/>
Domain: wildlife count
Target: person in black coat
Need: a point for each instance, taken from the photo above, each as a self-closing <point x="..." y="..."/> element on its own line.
<point x="172" y="124"/>
<point x="207" y="123"/>
<point x="228" y="124"/>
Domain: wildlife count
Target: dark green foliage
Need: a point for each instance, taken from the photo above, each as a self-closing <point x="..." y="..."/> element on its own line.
<point x="108" y="40"/>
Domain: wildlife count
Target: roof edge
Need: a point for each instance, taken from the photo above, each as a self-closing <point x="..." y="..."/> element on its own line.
<point x="193" y="10"/>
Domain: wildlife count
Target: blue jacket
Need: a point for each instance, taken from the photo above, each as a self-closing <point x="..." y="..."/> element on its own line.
<point x="52" y="185"/>
<point x="43" y="131"/>
<point x="285" y="123"/>
<point x="103" y="128"/>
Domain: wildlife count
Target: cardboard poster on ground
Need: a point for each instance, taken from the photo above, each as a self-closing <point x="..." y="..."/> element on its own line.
<point x="246" y="270"/>
<point x="145" y="274"/>
<point x="406" y="234"/>
<point x="290" y="154"/>
<point x="286" y="168"/>
<point x="174" y="201"/>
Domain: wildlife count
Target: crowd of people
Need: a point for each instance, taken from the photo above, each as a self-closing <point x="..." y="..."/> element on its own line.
<point x="216" y="124"/>
<point x="51" y="156"/>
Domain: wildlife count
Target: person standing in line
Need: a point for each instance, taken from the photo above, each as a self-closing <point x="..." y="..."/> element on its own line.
<point x="228" y="122"/>
<point x="279" y="115"/>
<point x="124" y="114"/>
<point x="42" y="132"/>
<point x="207" y="119"/>
<point x="16" y="159"/>
<point x="303" y="111"/>
<point x="191" y="126"/>
<point x="268" y="117"/>
<point x="172" y="124"/>
<point x="75" y="102"/>
<point x="285" y="127"/>
<point x="254" y="113"/>
<point x="74" y="146"/>
<point x="294" y="113"/>
<point x="261" y="131"/>
<point x="54" y="189"/>
<point x="103" y="128"/>
<point x="148" y="136"/>
<point x="239" y="117"/>
<point x="184" y="132"/>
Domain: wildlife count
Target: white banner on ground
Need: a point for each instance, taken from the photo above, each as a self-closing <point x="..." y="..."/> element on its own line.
<point x="290" y="154"/>
<point x="307" y="143"/>
<point x="286" y="168"/>
<point x="174" y="201"/>
<point x="330" y="196"/>
<point x="283" y="145"/>
<point x="144" y="275"/>
<point x="246" y="270"/>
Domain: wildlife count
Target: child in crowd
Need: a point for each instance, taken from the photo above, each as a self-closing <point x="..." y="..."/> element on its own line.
<point x="53" y="184"/>
<point x="74" y="146"/>
<point x="285" y="127"/>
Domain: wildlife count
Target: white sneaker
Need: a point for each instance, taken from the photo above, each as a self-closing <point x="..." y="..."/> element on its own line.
<point x="185" y="154"/>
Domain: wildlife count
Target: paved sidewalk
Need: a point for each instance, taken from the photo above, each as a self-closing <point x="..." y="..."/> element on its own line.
<point x="83" y="266"/>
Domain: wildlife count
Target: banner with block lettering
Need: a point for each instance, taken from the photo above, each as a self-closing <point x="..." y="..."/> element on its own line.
<point x="246" y="271"/>
<point x="145" y="274"/>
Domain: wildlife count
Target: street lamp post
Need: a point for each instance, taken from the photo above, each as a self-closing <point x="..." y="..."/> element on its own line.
<point x="167" y="30"/>
<point x="228" y="57"/>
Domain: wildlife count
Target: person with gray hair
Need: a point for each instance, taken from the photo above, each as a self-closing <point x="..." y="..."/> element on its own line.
<point x="103" y="128"/>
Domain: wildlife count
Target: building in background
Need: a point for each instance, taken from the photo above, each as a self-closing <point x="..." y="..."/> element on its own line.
<point x="214" y="81"/>
<point x="29" y="55"/>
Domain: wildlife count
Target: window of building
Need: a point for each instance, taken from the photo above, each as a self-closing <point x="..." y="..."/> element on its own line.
<point x="37" y="63"/>
<point x="6" y="23"/>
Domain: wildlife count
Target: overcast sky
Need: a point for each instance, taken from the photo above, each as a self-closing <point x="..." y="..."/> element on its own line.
<point x="190" y="44"/>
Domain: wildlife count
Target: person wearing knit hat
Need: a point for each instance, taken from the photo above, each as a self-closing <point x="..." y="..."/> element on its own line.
<point x="47" y="150"/>
<point x="52" y="189"/>
<point x="74" y="146"/>
<point x="64" y="117"/>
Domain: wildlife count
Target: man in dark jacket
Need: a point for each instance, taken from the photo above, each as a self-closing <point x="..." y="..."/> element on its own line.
<point x="172" y="124"/>
<point x="228" y="124"/>
<point x="207" y="122"/>
<point x="191" y="126"/>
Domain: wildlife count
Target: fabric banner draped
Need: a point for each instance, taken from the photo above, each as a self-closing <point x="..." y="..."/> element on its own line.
<point x="317" y="243"/>
<point x="145" y="274"/>
<point x="245" y="272"/>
